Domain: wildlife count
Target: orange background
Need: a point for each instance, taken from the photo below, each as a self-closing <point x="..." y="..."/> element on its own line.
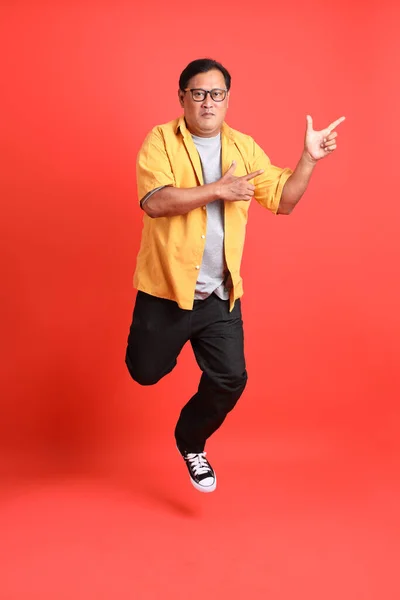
<point x="315" y="437"/>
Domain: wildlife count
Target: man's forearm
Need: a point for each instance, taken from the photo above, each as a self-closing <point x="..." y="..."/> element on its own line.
<point x="171" y="201"/>
<point x="297" y="184"/>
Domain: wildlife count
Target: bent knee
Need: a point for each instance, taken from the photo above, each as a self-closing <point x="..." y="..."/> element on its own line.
<point x="232" y="389"/>
<point x="142" y="375"/>
<point x="237" y="381"/>
<point x="144" y="379"/>
<point x="233" y="382"/>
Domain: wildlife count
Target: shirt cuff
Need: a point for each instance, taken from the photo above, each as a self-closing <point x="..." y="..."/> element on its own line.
<point x="147" y="196"/>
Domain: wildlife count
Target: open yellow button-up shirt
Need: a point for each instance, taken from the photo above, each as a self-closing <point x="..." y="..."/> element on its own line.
<point x="172" y="248"/>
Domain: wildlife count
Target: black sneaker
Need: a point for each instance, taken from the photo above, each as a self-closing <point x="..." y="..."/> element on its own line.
<point x="201" y="473"/>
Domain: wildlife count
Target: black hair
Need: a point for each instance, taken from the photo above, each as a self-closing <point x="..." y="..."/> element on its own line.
<point x="202" y="65"/>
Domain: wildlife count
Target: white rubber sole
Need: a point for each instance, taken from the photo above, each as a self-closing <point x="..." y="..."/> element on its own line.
<point x="204" y="488"/>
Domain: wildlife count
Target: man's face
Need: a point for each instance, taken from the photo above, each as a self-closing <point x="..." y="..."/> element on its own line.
<point x="206" y="117"/>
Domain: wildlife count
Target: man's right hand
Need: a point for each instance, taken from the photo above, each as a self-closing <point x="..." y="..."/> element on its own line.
<point x="233" y="189"/>
<point x="171" y="201"/>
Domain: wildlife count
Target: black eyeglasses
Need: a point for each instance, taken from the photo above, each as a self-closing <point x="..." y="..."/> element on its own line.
<point x="200" y="95"/>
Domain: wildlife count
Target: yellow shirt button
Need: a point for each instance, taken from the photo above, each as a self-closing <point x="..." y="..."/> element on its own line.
<point x="197" y="266"/>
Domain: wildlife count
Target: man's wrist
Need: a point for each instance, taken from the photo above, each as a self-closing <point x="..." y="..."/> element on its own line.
<point x="215" y="190"/>
<point x="308" y="159"/>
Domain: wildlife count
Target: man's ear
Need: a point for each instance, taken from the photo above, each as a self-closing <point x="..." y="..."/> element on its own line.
<point x="180" y="96"/>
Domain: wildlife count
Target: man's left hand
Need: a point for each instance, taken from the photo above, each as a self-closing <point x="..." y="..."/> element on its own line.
<point x="319" y="144"/>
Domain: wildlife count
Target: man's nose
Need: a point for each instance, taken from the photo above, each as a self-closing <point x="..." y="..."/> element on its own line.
<point x="207" y="102"/>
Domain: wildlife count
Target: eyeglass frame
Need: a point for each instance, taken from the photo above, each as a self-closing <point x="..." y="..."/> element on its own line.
<point x="191" y="90"/>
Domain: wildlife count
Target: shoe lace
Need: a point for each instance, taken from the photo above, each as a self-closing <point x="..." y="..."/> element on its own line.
<point x="198" y="463"/>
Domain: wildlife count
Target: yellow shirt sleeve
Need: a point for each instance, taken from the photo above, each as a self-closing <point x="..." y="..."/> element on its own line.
<point x="269" y="185"/>
<point x="153" y="169"/>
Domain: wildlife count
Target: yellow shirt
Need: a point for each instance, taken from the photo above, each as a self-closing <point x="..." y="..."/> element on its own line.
<point x="172" y="248"/>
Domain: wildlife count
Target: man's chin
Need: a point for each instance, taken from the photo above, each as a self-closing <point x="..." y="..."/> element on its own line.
<point x="205" y="128"/>
<point x="209" y="125"/>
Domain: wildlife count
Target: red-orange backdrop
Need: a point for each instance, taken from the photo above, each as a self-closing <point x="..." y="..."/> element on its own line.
<point x="82" y="83"/>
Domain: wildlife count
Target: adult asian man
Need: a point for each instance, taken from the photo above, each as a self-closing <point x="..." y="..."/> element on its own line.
<point x="196" y="177"/>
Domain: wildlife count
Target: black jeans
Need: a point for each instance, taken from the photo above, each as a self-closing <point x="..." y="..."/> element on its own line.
<point x="158" y="333"/>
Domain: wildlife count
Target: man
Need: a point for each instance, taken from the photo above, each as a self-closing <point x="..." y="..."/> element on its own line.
<point x="196" y="177"/>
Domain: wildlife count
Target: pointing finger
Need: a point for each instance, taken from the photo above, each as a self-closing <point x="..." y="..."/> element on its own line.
<point x="335" y="124"/>
<point x="252" y="175"/>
